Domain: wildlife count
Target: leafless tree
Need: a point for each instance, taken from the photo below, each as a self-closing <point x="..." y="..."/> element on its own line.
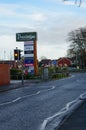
<point x="77" y="2"/>
<point x="78" y="45"/>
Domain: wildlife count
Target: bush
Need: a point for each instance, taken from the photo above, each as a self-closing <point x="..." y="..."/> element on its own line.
<point x="16" y="73"/>
<point x="60" y="75"/>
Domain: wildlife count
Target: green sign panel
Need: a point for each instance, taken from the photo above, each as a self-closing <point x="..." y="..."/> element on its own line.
<point x="26" y="36"/>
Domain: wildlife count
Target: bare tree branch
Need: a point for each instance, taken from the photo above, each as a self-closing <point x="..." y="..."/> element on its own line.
<point x="78" y="44"/>
<point x="77" y="2"/>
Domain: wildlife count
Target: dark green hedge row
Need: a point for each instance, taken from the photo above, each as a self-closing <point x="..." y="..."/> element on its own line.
<point x="60" y="75"/>
<point x="17" y="75"/>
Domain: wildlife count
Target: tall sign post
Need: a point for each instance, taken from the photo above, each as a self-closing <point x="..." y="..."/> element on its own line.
<point x="35" y="58"/>
<point x="30" y="49"/>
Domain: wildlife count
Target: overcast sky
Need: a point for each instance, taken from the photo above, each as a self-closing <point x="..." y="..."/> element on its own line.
<point x="51" y="19"/>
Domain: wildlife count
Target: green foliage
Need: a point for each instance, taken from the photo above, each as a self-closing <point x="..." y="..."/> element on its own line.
<point x="16" y="73"/>
<point x="54" y="73"/>
<point x="60" y="75"/>
<point x="30" y="76"/>
<point x="51" y="70"/>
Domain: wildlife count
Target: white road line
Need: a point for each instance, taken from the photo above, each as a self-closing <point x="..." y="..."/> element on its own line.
<point x="53" y="87"/>
<point x="63" y="110"/>
<point x="6" y="103"/>
<point x="43" y="126"/>
<point x="58" y="114"/>
<point x="19" y="98"/>
<point x="83" y="96"/>
<point x="15" y="100"/>
<point x="38" y="92"/>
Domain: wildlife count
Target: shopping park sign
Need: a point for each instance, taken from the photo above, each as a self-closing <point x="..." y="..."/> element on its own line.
<point x="26" y="36"/>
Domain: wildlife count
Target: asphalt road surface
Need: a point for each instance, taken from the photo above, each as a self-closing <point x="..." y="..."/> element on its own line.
<point x="30" y="108"/>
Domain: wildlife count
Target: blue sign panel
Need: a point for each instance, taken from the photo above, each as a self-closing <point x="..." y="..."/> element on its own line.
<point x="29" y="61"/>
<point x="54" y="62"/>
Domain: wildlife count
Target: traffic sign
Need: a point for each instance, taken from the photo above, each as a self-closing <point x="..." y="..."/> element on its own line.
<point x="54" y="62"/>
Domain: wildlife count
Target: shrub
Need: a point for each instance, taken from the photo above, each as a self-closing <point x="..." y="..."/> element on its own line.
<point x="16" y="73"/>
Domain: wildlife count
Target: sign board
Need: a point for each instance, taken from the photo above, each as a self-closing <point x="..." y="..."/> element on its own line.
<point x="30" y="48"/>
<point x="29" y="53"/>
<point x="29" y="61"/>
<point x="26" y="36"/>
<point x="28" y="65"/>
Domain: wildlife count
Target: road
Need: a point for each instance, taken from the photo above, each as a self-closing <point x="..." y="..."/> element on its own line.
<point x="28" y="108"/>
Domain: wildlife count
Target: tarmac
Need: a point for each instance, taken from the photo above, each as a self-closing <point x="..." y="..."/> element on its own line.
<point x="75" y="119"/>
<point x="15" y="84"/>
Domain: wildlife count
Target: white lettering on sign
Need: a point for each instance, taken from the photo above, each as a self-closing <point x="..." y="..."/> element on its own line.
<point x="26" y="43"/>
<point x="22" y="37"/>
<point x="28" y="55"/>
<point x="28" y="48"/>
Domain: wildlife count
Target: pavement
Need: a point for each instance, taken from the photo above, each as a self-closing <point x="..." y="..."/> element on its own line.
<point x="75" y="119"/>
<point x="15" y="84"/>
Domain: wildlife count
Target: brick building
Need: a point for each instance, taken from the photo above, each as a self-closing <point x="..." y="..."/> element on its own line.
<point x="64" y="62"/>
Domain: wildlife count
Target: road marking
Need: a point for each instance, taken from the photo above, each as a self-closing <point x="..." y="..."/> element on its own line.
<point x="15" y="100"/>
<point x="19" y="98"/>
<point x="6" y="103"/>
<point x="63" y="110"/>
<point x="83" y="96"/>
<point x="43" y="126"/>
<point x="58" y="114"/>
<point x="38" y="92"/>
<point x="53" y="87"/>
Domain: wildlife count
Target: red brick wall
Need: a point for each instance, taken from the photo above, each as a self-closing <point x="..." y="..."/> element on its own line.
<point x="4" y="74"/>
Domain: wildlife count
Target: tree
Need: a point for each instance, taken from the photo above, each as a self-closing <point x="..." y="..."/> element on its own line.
<point x="77" y="2"/>
<point x="77" y="47"/>
<point x="42" y="58"/>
